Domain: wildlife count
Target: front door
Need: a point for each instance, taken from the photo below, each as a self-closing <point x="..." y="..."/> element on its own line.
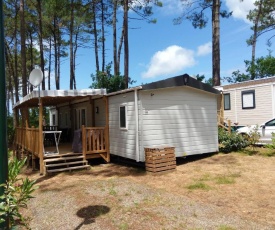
<point x="80" y="118"/>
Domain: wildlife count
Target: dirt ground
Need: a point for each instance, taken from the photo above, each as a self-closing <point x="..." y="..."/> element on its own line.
<point x="221" y="191"/>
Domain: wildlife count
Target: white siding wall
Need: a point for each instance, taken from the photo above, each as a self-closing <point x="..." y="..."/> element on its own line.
<point x="122" y="142"/>
<point x="100" y="119"/>
<point x="181" y="117"/>
<point x="261" y="113"/>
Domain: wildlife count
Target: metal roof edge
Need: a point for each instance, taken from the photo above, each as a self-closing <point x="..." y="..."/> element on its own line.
<point x="124" y="91"/>
<point x="179" y="81"/>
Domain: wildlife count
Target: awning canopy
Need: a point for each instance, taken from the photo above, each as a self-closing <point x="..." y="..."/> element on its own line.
<point x="55" y="97"/>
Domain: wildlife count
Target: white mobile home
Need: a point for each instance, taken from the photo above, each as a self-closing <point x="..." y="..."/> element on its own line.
<point x="250" y="102"/>
<point x="180" y="112"/>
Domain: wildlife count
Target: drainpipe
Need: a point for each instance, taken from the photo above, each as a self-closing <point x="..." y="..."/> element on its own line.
<point x="137" y="125"/>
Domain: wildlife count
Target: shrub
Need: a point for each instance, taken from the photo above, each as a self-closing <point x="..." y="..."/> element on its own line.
<point x="271" y="147"/>
<point x="231" y="141"/>
<point x="17" y="191"/>
<point x="254" y="136"/>
<point x="10" y="129"/>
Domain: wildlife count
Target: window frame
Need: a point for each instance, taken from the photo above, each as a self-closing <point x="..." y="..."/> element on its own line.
<point x="125" y="116"/>
<point x="229" y="102"/>
<point x="253" y="99"/>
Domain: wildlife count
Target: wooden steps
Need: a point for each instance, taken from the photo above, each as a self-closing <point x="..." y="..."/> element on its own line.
<point x="65" y="162"/>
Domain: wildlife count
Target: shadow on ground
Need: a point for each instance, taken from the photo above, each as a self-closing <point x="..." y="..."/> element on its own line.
<point x="89" y="214"/>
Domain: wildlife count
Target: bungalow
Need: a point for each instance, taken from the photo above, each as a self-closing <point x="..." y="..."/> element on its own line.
<point x="180" y="112"/>
<point x="249" y="102"/>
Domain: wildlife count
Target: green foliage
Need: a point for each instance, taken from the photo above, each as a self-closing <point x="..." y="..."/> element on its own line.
<point x="10" y="129"/>
<point x="237" y="76"/>
<point x="196" y="12"/>
<point x="230" y="141"/>
<point x="34" y="116"/>
<point x="271" y="147"/>
<point x="225" y="180"/>
<point x="254" y="136"/>
<point x="17" y="192"/>
<point x="111" y="82"/>
<point x="262" y="16"/>
<point x="199" y="185"/>
<point x="262" y="67"/>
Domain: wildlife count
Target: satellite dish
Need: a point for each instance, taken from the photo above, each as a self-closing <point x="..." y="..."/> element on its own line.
<point x="36" y="77"/>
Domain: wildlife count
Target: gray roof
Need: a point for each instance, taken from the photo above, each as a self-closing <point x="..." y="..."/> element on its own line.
<point x="54" y="97"/>
<point x="179" y="81"/>
<point x="250" y="83"/>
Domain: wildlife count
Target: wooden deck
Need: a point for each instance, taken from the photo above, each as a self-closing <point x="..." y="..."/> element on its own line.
<point x="94" y="145"/>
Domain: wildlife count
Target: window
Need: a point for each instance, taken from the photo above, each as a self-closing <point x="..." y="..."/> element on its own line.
<point x="226" y="98"/>
<point x="248" y="99"/>
<point x="270" y="123"/>
<point x="83" y="117"/>
<point x="123" y="116"/>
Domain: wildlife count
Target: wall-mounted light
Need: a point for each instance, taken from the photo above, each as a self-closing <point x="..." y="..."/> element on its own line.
<point x="185" y="79"/>
<point x="152" y="94"/>
<point x="96" y="109"/>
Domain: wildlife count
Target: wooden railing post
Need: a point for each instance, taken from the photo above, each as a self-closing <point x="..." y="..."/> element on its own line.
<point x="84" y="141"/>
<point x="106" y="130"/>
<point x="41" y="154"/>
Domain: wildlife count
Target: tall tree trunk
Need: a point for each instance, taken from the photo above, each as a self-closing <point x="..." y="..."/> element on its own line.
<point x="126" y="45"/>
<point x="216" y="42"/>
<point x="103" y="35"/>
<point x="56" y="54"/>
<point x="95" y="35"/>
<point x="50" y="63"/>
<point x="116" y="73"/>
<point x="23" y="48"/>
<point x="75" y="49"/>
<point x="58" y="61"/>
<point x="40" y="35"/>
<point x="119" y="50"/>
<point x="31" y="66"/>
<point x="71" y="46"/>
<point x="254" y="40"/>
<point x="15" y="76"/>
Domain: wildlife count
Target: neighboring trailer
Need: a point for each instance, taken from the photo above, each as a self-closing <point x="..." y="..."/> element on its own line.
<point x="178" y="112"/>
<point x="250" y="102"/>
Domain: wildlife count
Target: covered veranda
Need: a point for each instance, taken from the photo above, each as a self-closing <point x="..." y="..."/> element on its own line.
<point x="31" y="140"/>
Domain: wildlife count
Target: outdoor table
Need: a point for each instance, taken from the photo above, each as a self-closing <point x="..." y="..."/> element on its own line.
<point x="57" y="135"/>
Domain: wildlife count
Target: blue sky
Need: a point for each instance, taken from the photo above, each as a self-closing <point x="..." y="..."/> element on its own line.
<point x="163" y="50"/>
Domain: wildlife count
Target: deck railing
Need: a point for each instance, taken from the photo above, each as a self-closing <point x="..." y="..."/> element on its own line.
<point x="94" y="140"/>
<point x="27" y="139"/>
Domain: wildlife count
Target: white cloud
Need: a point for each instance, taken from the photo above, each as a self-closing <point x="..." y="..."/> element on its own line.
<point x="240" y="8"/>
<point x="204" y="49"/>
<point x="169" y="61"/>
<point x="171" y="7"/>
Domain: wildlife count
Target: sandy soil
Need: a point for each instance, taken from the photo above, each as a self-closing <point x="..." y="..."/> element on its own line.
<point x="222" y="191"/>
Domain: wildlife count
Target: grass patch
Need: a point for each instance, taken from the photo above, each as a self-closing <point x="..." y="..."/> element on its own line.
<point x="225" y="227"/>
<point x="123" y="226"/>
<point x="205" y="177"/>
<point x="199" y="185"/>
<point x="225" y="180"/>
<point x="269" y="153"/>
